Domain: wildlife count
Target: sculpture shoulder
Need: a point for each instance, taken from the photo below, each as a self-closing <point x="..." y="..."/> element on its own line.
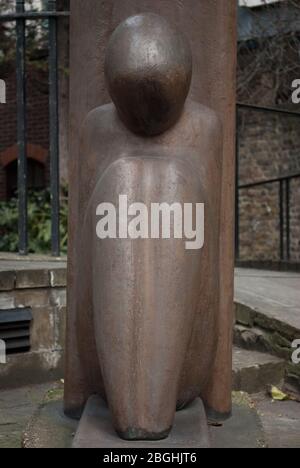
<point x="98" y="120"/>
<point x="204" y="134"/>
<point x="205" y="118"/>
<point x="101" y="125"/>
<point x="199" y="123"/>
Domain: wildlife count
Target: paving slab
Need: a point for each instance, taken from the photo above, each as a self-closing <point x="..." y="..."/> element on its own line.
<point x="16" y="409"/>
<point x="243" y="430"/>
<point x="49" y="427"/>
<point x="274" y="294"/>
<point x="280" y="422"/>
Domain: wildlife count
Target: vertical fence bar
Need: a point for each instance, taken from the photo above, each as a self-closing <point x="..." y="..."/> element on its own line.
<point x="237" y="190"/>
<point x="281" y="210"/>
<point x="288" y="223"/>
<point x="21" y="128"/>
<point x="53" y="136"/>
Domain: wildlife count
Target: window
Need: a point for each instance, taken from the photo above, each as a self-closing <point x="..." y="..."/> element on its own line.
<point x="36" y="177"/>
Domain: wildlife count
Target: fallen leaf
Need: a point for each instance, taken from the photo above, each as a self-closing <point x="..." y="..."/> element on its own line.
<point x="278" y="395"/>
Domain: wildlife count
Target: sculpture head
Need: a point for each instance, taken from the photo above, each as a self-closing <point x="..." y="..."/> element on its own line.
<point x="148" y="71"/>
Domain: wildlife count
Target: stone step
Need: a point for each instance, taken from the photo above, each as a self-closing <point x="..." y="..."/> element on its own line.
<point x="267" y="315"/>
<point x="254" y="371"/>
<point x="267" y="311"/>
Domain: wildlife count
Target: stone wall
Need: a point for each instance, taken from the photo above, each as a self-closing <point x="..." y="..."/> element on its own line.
<point x="269" y="147"/>
<point x="256" y="331"/>
<point x="43" y="289"/>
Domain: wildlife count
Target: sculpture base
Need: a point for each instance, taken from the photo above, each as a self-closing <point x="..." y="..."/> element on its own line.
<point x="50" y="428"/>
<point x="95" y="429"/>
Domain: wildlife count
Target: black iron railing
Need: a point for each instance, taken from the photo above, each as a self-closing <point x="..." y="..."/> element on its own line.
<point x="20" y="16"/>
<point x="284" y="190"/>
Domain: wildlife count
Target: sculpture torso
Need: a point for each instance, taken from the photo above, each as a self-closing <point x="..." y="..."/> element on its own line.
<point x="148" y="308"/>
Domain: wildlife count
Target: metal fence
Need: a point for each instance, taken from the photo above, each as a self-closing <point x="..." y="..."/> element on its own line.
<point x="20" y="16"/>
<point x="284" y="189"/>
<point x="51" y="15"/>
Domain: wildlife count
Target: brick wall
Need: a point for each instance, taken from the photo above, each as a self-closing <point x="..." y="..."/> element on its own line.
<point x="37" y="119"/>
<point x="269" y="147"/>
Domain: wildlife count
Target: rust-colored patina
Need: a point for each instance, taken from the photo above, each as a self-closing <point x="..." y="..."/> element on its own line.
<point x="144" y="330"/>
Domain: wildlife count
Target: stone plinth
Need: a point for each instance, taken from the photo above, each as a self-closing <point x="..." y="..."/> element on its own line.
<point x="95" y="429"/>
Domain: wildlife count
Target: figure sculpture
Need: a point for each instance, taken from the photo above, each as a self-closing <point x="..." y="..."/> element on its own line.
<point x="147" y="305"/>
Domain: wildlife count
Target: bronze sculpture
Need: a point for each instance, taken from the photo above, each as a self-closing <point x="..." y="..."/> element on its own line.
<point x="147" y="328"/>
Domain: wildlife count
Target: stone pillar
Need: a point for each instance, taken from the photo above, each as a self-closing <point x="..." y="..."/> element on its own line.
<point x="211" y="28"/>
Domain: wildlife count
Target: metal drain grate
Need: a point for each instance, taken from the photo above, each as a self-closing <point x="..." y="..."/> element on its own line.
<point x="15" y="329"/>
